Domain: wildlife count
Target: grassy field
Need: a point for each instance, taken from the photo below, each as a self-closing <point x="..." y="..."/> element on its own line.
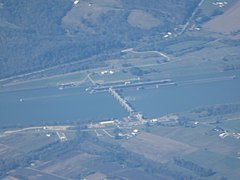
<point x="225" y="23"/>
<point x="8" y="151"/>
<point x="232" y="124"/>
<point x="225" y="166"/>
<point x="178" y="47"/>
<point x="68" y="165"/>
<point x="137" y="174"/>
<point x="44" y="82"/>
<point x="20" y="141"/>
<point x="162" y="148"/>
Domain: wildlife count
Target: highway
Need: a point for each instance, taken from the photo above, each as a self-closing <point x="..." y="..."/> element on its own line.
<point x="144" y="52"/>
<point x="190" y="19"/>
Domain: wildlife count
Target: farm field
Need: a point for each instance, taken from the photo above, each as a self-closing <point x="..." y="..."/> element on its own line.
<point x="161" y="150"/>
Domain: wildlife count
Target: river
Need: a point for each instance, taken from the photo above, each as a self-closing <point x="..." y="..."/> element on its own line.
<point x="53" y="106"/>
<point x="183" y="97"/>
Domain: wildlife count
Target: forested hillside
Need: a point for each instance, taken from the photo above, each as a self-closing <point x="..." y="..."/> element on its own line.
<point x="37" y="34"/>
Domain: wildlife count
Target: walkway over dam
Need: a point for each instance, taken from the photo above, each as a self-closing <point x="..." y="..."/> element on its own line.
<point x="125" y="104"/>
<point x="121" y="100"/>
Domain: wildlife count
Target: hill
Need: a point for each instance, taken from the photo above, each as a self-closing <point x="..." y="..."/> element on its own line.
<point x="226" y="23"/>
<point x="41" y="34"/>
